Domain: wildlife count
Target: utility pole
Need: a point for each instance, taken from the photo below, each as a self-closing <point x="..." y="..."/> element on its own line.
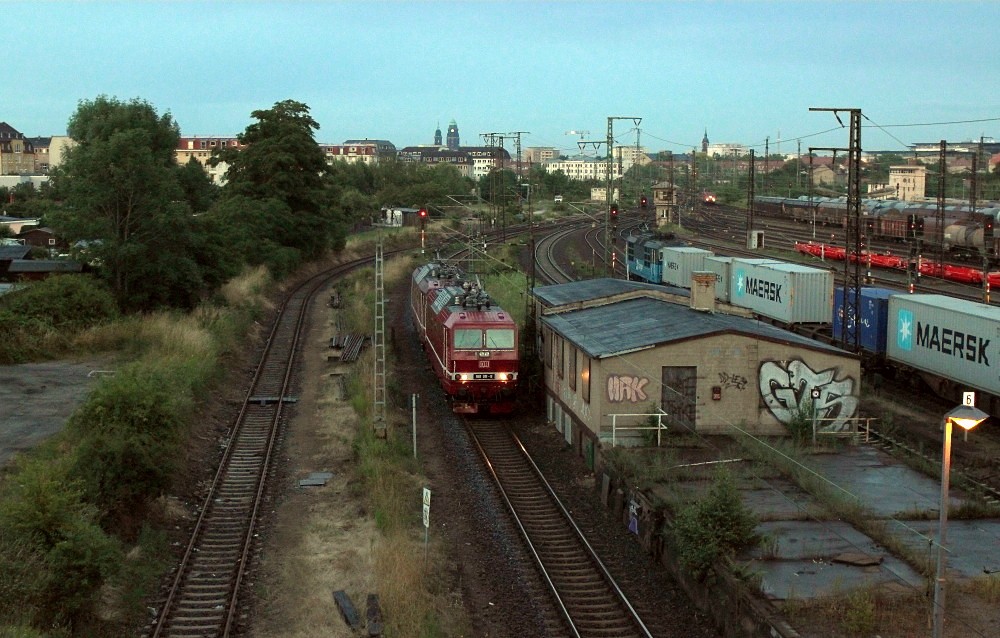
<point x="750" y="210"/>
<point x="530" y="320"/>
<point x="767" y="153"/>
<point x="635" y="169"/>
<point x="942" y="172"/>
<point x="672" y="202"/>
<point x="497" y="185"/>
<point x="850" y="335"/>
<point x="609" y="170"/>
<point x="988" y="220"/>
<point x="798" y="163"/>
<point x="516" y="135"/>
<point x="692" y="184"/>
<point x="379" y="422"/>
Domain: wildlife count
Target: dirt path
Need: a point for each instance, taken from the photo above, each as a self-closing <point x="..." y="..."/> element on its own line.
<point x="37" y="398"/>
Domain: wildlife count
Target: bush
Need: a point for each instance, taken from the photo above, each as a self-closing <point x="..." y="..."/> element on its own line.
<point x="128" y="432"/>
<point x="63" y="301"/>
<point x="61" y="556"/>
<point x="714" y="527"/>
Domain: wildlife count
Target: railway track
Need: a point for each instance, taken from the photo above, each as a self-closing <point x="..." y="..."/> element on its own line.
<point x="590" y="602"/>
<point x="202" y="600"/>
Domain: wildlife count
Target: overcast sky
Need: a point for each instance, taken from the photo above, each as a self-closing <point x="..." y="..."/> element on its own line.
<point x="745" y="71"/>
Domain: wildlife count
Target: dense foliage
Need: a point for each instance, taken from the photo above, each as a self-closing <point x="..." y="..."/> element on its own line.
<point x="281" y="167"/>
<point x="63" y="301"/>
<point x="123" y="207"/>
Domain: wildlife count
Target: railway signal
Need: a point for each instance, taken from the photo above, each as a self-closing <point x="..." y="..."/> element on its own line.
<point x="644" y="202"/>
<point x="422" y="215"/>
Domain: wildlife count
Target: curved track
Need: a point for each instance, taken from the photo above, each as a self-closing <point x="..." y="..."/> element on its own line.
<point x="592" y="604"/>
<point x="202" y="600"/>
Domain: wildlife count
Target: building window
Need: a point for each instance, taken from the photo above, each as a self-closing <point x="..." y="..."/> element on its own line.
<point x="572" y="368"/>
<point x="585" y="380"/>
<point x="561" y="354"/>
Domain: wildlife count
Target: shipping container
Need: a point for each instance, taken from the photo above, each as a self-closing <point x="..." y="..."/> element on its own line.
<point x="948" y="337"/>
<point x="874" y="312"/>
<point x="784" y="291"/>
<point x="679" y="262"/>
<point x="720" y="265"/>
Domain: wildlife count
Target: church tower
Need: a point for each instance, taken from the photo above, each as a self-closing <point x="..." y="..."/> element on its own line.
<point x="453" y="136"/>
<point x="704" y="142"/>
<point x="437" y="136"/>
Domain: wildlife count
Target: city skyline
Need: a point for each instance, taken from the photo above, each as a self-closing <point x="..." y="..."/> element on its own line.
<point x="748" y="72"/>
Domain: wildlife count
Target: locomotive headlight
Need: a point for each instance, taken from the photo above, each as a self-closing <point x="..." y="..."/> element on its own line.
<point x="502" y="376"/>
<point x="463" y="377"/>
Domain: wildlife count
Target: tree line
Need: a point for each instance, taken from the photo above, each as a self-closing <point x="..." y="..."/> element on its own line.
<point x="162" y="235"/>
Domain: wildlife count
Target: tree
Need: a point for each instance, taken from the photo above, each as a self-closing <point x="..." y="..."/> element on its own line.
<point x="199" y="191"/>
<point x="281" y="162"/>
<point x="122" y="200"/>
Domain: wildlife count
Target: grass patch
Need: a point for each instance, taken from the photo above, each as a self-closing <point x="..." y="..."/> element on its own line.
<point x="411" y="594"/>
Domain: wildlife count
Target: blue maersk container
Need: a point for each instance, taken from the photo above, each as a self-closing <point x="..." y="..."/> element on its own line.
<point x="874" y="313"/>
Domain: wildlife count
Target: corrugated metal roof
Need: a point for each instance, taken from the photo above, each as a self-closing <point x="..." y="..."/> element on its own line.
<point x="18" y="251"/>
<point x="636" y="324"/>
<point x="590" y="289"/>
<point x="44" y="265"/>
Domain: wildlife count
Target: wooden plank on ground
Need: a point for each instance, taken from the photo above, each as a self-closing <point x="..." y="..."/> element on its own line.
<point x="374" y="616"/>
<point x="347" y="609"/>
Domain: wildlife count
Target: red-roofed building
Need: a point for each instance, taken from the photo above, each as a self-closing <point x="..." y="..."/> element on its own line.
<point x="201" y="149"/>
<point x="17" y="155"/>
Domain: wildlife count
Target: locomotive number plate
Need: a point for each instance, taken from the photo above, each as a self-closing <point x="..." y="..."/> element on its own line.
<point x="481" y="376"/>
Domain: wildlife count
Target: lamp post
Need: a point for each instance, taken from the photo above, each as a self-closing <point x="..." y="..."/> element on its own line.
<point x="966" y="416"/>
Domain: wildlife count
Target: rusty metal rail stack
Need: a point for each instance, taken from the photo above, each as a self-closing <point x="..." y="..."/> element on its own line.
<point x="202" y="601"/>
<point x="591" y="603"/>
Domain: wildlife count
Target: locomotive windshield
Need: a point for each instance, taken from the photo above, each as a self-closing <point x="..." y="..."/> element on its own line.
<point x="500" y="338"/>
<point x="494" y="338"/>
<point x="468" y="339"/>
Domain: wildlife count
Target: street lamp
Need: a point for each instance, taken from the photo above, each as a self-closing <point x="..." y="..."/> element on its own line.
<point x="967" y="417"/>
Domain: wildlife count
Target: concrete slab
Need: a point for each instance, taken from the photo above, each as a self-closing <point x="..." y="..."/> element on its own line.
<point x="882" y="483"/>
<point x="800" y="564"/>
<point x="974" y="546"/>
<point x="782" y="500"/>
<point x="808" y="557"/>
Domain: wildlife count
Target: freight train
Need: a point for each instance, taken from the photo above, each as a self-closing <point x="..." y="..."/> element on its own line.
<point x="891" y="220"/>
<point x="949" y="343"/>
<point x="471" y="343"/>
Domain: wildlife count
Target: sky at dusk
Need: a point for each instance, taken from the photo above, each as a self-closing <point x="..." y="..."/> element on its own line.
<point x="745" y="71"/>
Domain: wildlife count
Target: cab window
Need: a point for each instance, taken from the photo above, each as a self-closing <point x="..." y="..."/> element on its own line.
<point x="468" y="339"/>
<point x="498" y="338"/>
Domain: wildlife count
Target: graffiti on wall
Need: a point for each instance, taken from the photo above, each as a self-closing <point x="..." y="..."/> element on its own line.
<point x="623" y="388"/>
<point x="737" y="381"/>
<point x="787" y="388"/>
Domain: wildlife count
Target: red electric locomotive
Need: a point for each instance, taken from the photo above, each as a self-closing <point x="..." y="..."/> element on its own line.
<point x="471" y="342"/>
